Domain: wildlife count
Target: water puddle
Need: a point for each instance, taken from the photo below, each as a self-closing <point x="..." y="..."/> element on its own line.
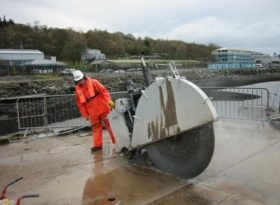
<point x="129" y="184"/>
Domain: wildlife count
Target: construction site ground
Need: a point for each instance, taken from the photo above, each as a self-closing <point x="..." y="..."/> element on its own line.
<point x="244" y="170"/>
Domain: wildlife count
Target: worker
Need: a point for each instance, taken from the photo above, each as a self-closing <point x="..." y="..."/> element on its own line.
<point x="94" y="102"/>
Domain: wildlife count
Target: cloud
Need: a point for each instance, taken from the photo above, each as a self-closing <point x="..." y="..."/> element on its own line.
<point x="248" y="24"/>
<point x="257" y="35"/>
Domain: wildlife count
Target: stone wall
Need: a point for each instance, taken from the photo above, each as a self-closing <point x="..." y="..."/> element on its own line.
<point x="201" y="77"/>
<point x="65" y="85"/>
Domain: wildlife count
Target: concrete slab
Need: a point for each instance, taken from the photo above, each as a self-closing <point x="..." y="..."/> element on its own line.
<point x="246" y="159"/>
<point x="193" y="194"/>
<point x="129" y="185"/>
<point x="244" y="170"/>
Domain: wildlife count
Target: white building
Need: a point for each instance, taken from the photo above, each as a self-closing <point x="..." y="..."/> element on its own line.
<point x="16" y="57"/>
<point x="225" y="58"/>
<point x="261" y="58"/>
<point x="27" y="61"/>
<point x="90" y="55"/>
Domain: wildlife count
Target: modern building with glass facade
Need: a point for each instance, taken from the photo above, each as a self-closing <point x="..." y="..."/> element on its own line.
<point x="232" y="59"/>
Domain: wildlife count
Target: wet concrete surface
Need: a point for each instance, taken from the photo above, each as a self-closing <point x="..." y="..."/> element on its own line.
<point x="244" y="170"/>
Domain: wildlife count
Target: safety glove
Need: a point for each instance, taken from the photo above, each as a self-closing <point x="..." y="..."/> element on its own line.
<point x="111" y="104"/>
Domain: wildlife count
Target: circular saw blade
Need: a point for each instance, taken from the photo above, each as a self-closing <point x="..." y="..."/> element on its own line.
<point x="185" y="155"/>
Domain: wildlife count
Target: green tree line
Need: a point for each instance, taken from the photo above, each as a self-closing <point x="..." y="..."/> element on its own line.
<point x="67" y="44"/>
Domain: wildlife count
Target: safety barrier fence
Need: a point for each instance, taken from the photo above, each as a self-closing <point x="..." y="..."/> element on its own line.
<point x="60" y="111"/>
<point x="51" y="111"/>
<point x="241" y="103"/>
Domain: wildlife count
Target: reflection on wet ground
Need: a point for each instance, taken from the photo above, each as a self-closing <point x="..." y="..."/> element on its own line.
<point x="244" y="170"/>
<point x="129" y="185"/>
<point x="229" y="94"/>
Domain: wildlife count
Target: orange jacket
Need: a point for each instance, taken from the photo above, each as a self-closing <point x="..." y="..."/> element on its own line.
<point x="92" y="98"/>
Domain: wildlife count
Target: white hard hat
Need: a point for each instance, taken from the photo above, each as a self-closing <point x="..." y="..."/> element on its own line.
<point x="78" y="75"/>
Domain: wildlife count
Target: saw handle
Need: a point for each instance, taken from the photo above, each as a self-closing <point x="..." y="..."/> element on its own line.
<point x="3" y="196"/>
<point x="16" y="180"/>
<point x="26" y="196"/>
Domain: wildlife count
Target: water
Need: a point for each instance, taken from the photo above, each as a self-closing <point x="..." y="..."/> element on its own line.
<point x="251" y="102"/>
<point x="274" y="90"/>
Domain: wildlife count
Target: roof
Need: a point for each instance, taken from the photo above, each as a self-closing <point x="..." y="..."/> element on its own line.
<point x="45" y="62"/>
<point x="17" y="51"/>
<point x="101" y="62"/>
<point x="231" y="49"/>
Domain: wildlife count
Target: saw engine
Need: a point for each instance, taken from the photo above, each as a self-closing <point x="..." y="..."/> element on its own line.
<point x="167" y="126"/>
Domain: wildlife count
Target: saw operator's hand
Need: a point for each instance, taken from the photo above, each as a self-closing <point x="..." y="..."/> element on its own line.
<point x="111" y="104"/>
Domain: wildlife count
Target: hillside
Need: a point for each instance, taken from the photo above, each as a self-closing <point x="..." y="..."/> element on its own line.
<point x="66" y="44"/>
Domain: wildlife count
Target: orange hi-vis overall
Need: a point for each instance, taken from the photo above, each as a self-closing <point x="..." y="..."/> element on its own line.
<point x="92" y="100"/>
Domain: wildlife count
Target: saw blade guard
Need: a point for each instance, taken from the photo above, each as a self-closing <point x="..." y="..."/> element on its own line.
<point x="168" y="107"/>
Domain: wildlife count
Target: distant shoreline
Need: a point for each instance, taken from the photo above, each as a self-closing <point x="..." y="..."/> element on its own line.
<point x="236" y="80"/>
<point x="27" y="85"/>
<point x="21" y="86"/>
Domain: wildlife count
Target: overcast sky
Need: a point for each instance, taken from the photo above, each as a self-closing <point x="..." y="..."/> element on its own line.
<point x="245" y="24"/>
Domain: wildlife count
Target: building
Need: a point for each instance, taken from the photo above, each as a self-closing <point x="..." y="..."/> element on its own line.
<point x="232" y="59"/>
<point x="98" y="65"/>
<point x="44" y="66"/>
<point x="275" y="61"/>
<point x="16" y="57"/>
<point x="89" y="55"/>
<point x="14" y="61"/>
<point x="262" y="58"/>
<point x="225" y="58"/>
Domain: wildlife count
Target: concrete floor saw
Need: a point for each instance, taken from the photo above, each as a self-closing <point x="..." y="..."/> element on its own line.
<point x="167" y="126"/>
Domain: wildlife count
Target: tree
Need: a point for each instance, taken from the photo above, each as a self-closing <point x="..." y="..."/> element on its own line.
<point x="73" y="46"/>
<point x="67" y="44"/>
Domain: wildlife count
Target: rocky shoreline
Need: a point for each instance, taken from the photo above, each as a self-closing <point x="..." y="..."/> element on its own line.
<point x="12" y="88"/>
<point x="236" y="80"/>
<point x="24" y="85"/>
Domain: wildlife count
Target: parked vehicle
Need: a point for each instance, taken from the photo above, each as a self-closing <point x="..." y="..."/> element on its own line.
<point x="119" y="71"/>
<point x="259" y="65"/>
<point x="68" y="71"/>
<point x="106" y="71"/>
<point x="131" y="70"/>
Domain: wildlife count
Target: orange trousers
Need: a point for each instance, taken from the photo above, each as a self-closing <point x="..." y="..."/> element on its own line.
<point x="97" y="130"/>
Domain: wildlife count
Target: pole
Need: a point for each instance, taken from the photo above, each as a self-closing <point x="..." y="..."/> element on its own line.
<point x="21" y="47"/>
<point x="146" y="72"/>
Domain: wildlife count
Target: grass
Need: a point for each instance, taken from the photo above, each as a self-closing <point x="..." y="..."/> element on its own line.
<point x="151" y="62"/>
<point x="129" y="61"/>
<point x="45" y="77"/>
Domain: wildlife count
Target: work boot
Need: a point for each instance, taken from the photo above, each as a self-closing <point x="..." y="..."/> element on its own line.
<point x="95" y="149"/>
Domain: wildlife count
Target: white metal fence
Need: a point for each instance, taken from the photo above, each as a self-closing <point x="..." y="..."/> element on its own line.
<point x="60" y="111"/>
<point x="51" y="111"/>
<point x="241" y="103"/>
